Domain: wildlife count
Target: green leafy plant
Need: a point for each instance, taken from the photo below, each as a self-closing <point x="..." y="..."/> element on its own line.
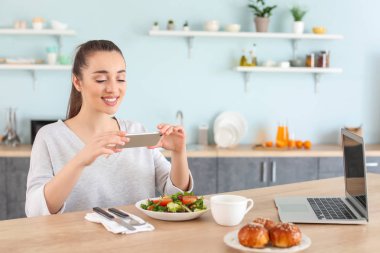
<point x="260" y="9"/>
<point x="298" y="13"/>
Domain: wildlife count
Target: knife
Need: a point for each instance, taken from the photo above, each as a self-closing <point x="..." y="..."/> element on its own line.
<point x="124" y="215"/>
<point x="113" y="218"/>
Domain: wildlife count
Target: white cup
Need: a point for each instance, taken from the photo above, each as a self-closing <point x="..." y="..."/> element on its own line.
<point x="229" y="210"/>
<point x="52" y="58"/>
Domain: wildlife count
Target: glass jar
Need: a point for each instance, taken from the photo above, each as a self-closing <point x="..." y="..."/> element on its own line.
<point x="310" y="60"/>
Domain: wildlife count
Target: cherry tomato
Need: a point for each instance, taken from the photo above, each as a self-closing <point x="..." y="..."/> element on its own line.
<point x="163" y="201"/>
<point x="187" y="200"/>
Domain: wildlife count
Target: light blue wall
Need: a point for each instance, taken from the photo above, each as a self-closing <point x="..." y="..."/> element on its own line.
<point x="161" y="80"/>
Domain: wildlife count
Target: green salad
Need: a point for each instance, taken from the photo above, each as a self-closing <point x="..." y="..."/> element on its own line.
<point x="176" y="203"/>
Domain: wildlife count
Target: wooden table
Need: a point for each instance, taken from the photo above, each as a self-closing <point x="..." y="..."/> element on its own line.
<point x="71" y="233"/>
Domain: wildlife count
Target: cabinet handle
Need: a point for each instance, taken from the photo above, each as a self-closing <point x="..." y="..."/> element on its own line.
<point x="274" y="171"/>
<point x="372" y="164"/>
<point x="263" y="172"/>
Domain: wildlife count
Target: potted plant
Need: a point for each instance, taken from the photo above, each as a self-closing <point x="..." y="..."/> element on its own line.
<point x="171" y="25"/>
<point x="298" y="13"/>
<point x="186" y="26"/>
<point x="155" y="26"/>
<point x="262" y="14"/>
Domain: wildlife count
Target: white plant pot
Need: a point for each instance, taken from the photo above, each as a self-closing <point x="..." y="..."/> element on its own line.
<point x="298" y="27"/>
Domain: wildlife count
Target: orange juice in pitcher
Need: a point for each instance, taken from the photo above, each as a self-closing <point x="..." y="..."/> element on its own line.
<point x="282" y="137"/>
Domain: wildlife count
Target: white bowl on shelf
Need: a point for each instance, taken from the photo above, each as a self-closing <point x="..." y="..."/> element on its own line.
<point x="211" y="26"/>
<point x="234" y="28"/>
<point x="38" y="25"/>
<point x="56" y="25"/>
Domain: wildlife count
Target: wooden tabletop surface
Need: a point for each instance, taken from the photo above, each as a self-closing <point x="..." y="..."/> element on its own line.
<point x="318" y="150"/>
<point x="71" y="233"/>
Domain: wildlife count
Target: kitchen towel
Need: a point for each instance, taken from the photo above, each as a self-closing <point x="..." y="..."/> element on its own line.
<point x="115" y="228"/>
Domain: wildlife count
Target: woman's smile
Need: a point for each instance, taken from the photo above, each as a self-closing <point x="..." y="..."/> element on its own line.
<point x="110" y="101"/>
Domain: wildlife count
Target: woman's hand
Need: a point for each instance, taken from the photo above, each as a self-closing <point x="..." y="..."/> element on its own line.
<point x="103" y="144"/>
<point x="173" y="137"/>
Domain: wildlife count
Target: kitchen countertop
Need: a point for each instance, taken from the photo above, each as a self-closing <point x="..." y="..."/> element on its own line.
<point x="319" y="150"/>
<point x="69" y="232"/>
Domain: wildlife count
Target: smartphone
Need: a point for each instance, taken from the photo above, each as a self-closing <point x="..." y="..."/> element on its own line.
<point x="142" y="140"/>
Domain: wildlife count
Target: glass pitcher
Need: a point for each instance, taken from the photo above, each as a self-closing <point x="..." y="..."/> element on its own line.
<point x="11" y="137"/>
<point x="282" y="136"/>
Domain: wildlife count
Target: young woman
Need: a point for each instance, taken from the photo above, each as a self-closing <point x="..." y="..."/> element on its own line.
<point x="75" y="164"/>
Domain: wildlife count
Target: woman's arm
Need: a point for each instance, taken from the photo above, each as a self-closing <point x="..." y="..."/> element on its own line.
<point x="174" y="139"/>
<point x="180" y="174"/>
<point x="57" y="189"/>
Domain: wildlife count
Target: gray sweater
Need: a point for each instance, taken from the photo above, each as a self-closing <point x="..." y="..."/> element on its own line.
<point x="122" y="178"/>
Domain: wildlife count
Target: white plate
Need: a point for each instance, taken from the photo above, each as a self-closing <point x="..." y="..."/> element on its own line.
<point x="232" y="121"/>
<point x="231" y="239"/>
<point x="172" y="216"/>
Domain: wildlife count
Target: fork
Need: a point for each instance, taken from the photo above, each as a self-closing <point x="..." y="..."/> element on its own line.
<point x="124" y="215"/>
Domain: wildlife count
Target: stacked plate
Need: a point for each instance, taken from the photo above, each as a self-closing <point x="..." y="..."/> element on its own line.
<point x="229" y="128"/>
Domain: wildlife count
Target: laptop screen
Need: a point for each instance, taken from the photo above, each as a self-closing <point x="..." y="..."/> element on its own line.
<point x="355" y="170"/>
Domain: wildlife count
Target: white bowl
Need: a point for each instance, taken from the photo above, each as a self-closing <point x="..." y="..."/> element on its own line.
<point x="38" y="25"/>
<point x="211" y="26"/>
<point x="232" y="28"/>
<point x="58" y="25"/>
<point x="172" y="216"/>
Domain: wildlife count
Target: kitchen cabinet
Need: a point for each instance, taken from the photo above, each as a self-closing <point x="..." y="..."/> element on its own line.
<point x="240" y="173"/>
<point x="245" y="172"/>
<point x="334" y="167"/>
<point x="292" y="170"/>
<point x="204" y="172"/>
<point x="13" y="176"/>
<point x="3" y="194"/>
<point x="16" y="177"/>
<point x="330" y="167"/>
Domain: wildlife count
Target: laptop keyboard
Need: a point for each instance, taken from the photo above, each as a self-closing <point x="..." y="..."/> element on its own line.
<point x="330" y="209"/>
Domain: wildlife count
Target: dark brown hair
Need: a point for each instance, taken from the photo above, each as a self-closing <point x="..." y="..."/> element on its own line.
<point x="83" y="52"/>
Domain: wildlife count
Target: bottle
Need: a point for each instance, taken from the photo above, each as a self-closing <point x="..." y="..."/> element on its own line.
<point x="253" y="59"/>
<point x="310" y="60"/>
<point x="243" y="59"/>
<point x="203" y="135"/>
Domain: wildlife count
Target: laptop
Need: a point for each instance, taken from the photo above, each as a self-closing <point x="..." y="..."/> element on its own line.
<point x="351" y="209"/>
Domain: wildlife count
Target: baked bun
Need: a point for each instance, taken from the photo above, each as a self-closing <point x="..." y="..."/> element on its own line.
<point x="253" y="235"/>
<point x="285" y="235"/>
<point x="267" y="223"/>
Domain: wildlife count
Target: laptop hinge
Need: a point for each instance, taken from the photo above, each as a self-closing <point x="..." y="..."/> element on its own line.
<point x="356" y="209"/>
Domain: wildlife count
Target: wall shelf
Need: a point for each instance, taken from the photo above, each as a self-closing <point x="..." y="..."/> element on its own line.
<point x="317" y="72"/>
<point x="190" y="35"/>
<point x="33" y="68"/>
<point x="293" y="37"/>
<point x="58" y="34"/>
<point x="37" y="32"/>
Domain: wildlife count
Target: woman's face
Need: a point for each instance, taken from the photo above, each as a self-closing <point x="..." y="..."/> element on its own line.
<point x="103" y="82"/>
